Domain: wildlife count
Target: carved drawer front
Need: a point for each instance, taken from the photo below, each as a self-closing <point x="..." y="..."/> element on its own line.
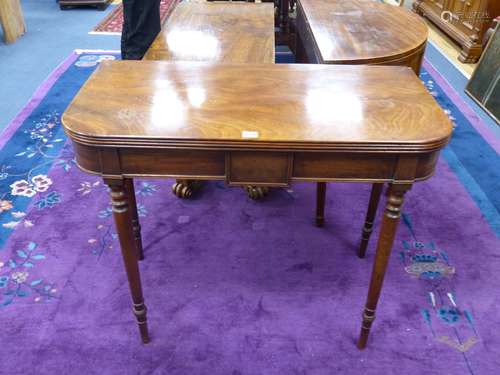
<point x="264" y="168"/>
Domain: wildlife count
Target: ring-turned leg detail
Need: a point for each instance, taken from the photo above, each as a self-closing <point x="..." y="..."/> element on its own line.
<point x="320" y="203"/>
<point x="140" y="312"/>
<point x="390" y="222"/>
<point x="123" y="220"/>
<point x="370" y="218"/>
<point x="185" y="188"/>
<point x="136" y="226"/>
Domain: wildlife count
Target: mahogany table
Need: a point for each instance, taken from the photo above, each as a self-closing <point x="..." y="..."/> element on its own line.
<point x="218" y="32"/>
<point x="359" y="32"/>
<point x="255" y="124"/>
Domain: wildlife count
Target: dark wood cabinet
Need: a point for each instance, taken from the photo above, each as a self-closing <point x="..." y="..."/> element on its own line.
<point x="465" y="21"/>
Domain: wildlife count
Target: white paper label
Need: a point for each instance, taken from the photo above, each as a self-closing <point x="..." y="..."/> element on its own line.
<point x="249" y="134"/>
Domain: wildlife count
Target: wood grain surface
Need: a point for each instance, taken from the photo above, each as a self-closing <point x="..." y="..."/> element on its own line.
<point x="229" y="32"/>
<point x="298" y="106"/>
<point x="362" y="31"/>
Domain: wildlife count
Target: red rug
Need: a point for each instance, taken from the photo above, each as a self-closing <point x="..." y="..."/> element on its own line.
<point x="114" y="20"/>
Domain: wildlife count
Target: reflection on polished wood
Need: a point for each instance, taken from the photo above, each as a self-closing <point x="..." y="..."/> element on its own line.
<point x="359" y="32"/>
<point x="224" y="32"/>
<point x="256" y="125"/>
<point x="217" y="32"/>
<point x="293" y="106"/>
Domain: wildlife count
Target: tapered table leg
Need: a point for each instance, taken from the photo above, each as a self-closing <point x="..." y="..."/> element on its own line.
<point x="370" y="218"/>
<point x="122" y="213"/>
<point x="136" y="226"/>
<point x="320" y="203"/>
<point x="384" y="246"/>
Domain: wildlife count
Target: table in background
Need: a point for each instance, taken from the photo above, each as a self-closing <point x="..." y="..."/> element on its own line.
<point x="359" y="32"/>
<point x="258" y="125"/>
<point x="217" y="32"/>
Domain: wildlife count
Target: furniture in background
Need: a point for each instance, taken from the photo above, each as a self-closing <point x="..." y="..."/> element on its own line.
<point x="255" y="124"/>
<point x="219" y="32"/>
<point x="359" y="32"/>
<point x="484" y="85"/>
<point x="12" y="20"/>
<point x="99" y="4"/>
<point x="465" y="21"/>
<point x="229" y="32"/>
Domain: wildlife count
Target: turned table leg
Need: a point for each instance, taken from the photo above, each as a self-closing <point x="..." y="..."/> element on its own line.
<point x="136" y="226"/>
<point x="384" y="246"/>
<point x="122" y="213"/>
<point x="370" y="218"/>
<point x="320" y="203"/>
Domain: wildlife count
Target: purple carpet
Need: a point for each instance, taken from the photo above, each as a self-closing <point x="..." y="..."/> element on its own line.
<point x="233" y="286"/>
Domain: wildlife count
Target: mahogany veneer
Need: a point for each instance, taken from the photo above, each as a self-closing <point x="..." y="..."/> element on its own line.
<point x="255" y="124"/>
<point x="225" y="32"/>
<point x="359" y="32"/>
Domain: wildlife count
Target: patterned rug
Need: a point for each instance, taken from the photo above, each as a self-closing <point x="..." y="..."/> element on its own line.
<point x="236" y="286"/>
<point x="114" y="20"/>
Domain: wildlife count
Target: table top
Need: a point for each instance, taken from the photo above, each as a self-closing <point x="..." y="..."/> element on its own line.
<point x="362" y="31"/>
<point x="207" y="31"/>
<point x="168" y="104"/>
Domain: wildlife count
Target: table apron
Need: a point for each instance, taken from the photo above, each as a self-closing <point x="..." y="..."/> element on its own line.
<point x="270" y="168"/>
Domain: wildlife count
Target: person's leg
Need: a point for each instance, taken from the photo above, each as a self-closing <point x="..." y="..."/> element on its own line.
<point x="141" y="25"/>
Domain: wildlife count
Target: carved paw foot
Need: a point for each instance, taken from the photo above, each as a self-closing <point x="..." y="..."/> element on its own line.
<point x="257" y="192"/>
<point x="185" y="188"/>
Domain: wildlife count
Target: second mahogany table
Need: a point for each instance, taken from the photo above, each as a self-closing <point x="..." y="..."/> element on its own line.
<point x="217" y="32"/>
<point x="359" y="32"/>
<point x="255" y="124"/>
